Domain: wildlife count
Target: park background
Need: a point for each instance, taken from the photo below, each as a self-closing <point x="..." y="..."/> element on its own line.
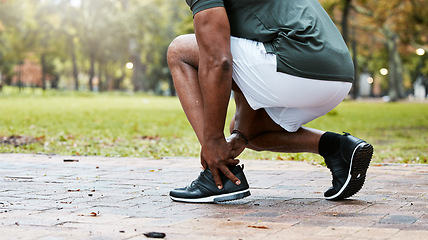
<point x="91" y="78"/>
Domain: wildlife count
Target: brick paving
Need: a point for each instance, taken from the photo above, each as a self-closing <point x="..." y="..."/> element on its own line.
<point x="69" y="197"/>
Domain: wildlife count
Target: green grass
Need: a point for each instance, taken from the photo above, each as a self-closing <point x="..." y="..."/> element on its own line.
<point x="156" y="127"/>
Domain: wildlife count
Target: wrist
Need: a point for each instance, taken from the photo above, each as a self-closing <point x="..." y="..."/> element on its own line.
<point x="210" y="139"/>
<point x="241" y="135"/>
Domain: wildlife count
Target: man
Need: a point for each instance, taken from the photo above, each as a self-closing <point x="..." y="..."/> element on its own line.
<point x="287" y="65"/>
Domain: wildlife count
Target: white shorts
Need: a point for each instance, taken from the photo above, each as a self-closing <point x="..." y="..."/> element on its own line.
<point x="289" y="100"/>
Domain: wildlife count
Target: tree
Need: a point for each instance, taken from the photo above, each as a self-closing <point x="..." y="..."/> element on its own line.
<point x="392" y="27"/>
<point x="49" y="44"/>
<point x="17" y="34"/>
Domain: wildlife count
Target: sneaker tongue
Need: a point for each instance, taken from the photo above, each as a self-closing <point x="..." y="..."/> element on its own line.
<point x="197" y="180"/>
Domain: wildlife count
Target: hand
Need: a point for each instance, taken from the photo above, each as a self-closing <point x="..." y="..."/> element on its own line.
<point x="236" y="143"/>
<point x="216" y="155"/>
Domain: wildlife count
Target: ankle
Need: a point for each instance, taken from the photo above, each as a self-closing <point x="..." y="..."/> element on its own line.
<point x="329" y="143"/>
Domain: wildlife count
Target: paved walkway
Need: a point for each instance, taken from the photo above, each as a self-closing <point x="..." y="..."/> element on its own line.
<point x="63" y="197"/>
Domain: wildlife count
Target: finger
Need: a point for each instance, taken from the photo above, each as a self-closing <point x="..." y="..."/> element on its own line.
<point x="230" y="175"/>
<point x="233" y="162"/>
<point x="217" y="179"/>
<point x="204" y="163"/>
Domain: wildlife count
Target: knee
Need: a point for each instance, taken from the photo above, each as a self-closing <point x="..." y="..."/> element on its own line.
<point x="178" y="49"/>
<point x="174" y="50"/>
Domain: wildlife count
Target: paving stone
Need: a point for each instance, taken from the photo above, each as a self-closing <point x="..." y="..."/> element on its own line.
<point x="43" y="197"/>
<point x="375" y="233"/>
<point x="338" y="232"/>
<point x="398" y="219"/>
<point x="413" y="235"/>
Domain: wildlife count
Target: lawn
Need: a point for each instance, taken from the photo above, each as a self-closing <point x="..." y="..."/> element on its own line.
<point x="155" y="127"/>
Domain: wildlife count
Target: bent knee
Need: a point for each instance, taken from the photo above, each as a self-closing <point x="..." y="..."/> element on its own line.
<point x="183" y="48"/>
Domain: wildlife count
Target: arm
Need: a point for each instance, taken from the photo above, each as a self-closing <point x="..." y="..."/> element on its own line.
<point x="215" y="76"/>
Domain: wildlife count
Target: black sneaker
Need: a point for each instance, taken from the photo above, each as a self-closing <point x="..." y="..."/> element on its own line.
<point x="348" y="166"/>
<point x="205" y="190"/>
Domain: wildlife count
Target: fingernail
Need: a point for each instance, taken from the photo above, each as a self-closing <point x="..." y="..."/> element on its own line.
<point x="238" y="182"/>
<point x="219" y="187"/>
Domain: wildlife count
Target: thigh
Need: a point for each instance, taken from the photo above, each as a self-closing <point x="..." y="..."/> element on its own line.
<point x="288" y="101"/>
<point x="293" y="116"/>
<point x="260" y="121"/>
<point x="255" y="72"/>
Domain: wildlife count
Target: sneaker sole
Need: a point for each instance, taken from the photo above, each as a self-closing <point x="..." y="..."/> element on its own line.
<point x="216" y="198"/>
<point x="360" y="162"/>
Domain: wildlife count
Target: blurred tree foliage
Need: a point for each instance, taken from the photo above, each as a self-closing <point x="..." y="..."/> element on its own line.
<point x="384" y="33"/>
<point x="81" y="42"/>
<point x="86" y="44"/>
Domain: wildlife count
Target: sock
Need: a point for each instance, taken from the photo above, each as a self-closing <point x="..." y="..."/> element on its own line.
<point x="329" y="143"/>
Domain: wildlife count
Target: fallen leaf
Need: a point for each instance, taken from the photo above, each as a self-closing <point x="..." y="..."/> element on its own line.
<point x="155" y="235"/>
<point x="71" y="160"/>
<point x="260" y="227"/>
<point x="93" y="214"/>
<point x="74" y="190"/>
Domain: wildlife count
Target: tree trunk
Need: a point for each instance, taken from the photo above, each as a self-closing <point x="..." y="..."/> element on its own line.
<point x="91" y="74"/>
<point x="171" y="86"/>
<point x="137" y="71"/>
<point x="117" y="82"/>
<point x="396" y="87"/>
<point x="75" y="71"/>
<point x="44" y="68"/>
<point x="356" y="85"/>
<point x="345" y="14"/>
<point x="109" y="83"/>
<point x="21" y="63"/>
<point x="55" y="81"/>
<point x="100" y="82"/>
<point x="137" y="78"/>
<point x="1" y="82"/>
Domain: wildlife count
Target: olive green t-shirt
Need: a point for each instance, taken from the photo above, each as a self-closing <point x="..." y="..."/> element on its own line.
<point x="301" y="34"/>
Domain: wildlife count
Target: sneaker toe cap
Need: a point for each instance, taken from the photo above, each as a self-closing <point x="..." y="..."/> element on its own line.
<point x="186" y="193"/>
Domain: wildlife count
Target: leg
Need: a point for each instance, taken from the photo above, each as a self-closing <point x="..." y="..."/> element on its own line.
<point x="347" y="157"/>
<point x="302" y="100"/>
<point x="265" y="135"/>
<point x="183" y="59"/>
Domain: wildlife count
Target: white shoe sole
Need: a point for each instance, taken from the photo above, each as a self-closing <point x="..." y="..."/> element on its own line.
<point x="215" y="198"/>
<point x="357" y="172"/>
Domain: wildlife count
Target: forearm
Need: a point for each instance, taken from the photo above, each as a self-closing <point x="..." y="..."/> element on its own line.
<point x="215" y="69"/>
<point x="212" y="33"/>
<point x="216" y="81"/>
